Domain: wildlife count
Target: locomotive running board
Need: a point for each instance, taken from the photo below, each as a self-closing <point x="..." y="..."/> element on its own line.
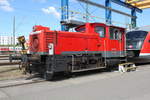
<point x="87" y="69"/>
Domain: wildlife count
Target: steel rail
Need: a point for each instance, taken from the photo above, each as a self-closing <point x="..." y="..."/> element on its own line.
<point x="3" y="56"/>
<point x="8" y="63"/>
<point x="21" y="84"/>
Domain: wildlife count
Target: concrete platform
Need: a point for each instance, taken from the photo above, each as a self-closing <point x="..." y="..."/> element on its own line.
<point x="98" y="86"/>
<point x="18" y="82"/>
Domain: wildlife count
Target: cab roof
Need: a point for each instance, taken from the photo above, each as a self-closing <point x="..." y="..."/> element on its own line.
<point x="102" y="24"/>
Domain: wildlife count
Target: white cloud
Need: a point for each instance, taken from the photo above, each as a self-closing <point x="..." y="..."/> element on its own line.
<point x="51" y="10"/>
<point x="5" y="5"/>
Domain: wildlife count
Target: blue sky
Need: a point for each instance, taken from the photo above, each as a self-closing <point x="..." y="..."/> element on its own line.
<point x="47" y="13"/>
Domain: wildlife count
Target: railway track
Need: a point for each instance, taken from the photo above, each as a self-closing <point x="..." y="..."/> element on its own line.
<point x="4" y="60"/>
<point x="8" y="63"/>
<point x="22" y="83"/>
<point x="4" y="56"/>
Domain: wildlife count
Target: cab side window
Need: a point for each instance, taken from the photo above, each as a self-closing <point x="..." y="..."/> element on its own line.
<point x="100" y="30"/>
<point x="81" y="29"/>
<point x="115" y="34"/>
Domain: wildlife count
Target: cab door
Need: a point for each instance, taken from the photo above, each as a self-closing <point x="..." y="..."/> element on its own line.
<point x="115" y="46"/>
<point x="101" y="30"/>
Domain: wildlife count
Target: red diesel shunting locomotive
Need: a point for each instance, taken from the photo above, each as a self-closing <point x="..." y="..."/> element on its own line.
<point x="92" y="46"/>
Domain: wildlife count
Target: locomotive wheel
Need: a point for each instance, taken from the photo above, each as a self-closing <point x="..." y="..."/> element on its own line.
<point x="108" y="68"/>
<point x="68" y="73"/>
<point x="48" y="76"/>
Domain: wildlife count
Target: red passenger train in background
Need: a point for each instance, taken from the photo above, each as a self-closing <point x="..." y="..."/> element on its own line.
<point x="138" y="45"/>
<point x="92" y="46"/>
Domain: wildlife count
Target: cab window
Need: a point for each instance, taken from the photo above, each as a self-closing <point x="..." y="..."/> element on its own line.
<point x="115" y="34"/>
<point x="80" y="29"/>
<point x="100" y="30"/>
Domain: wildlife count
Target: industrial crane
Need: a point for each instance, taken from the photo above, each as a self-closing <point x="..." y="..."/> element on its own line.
<point x="142" y="4"/>
<point x="108" y="10"/>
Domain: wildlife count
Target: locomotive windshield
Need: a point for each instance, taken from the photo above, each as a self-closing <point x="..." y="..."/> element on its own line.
<point x="135" y="39"/>
<point x="136" y="35"/>
<point x="100" y="30"/>
<point x="115" y="34"/>
<point x="81" y="29"/>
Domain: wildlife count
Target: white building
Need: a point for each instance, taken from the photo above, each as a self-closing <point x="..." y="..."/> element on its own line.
<point x="7" y="40"/>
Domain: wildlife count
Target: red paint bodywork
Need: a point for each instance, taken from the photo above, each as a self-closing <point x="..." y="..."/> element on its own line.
<point x="87" y="40"/>
<point x="146" y="45"/>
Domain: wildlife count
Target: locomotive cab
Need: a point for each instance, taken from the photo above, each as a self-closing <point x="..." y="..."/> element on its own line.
<point x="110" y="38"/>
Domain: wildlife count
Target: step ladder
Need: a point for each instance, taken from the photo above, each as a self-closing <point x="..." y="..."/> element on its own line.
<point x="127" y="67"/>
